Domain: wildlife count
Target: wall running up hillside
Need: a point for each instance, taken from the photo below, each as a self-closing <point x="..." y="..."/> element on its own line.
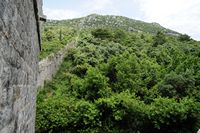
<point x="50" y="65"/>
<point x="19" y="49"/>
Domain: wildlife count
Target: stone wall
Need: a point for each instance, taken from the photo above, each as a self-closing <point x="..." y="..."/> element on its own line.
<point x="19" y="48"/>
<point x="40" y="11"/>
<point x="50" y="65"/>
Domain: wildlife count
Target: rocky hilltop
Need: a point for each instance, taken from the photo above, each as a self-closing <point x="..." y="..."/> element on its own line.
<point x="111" y="21"/>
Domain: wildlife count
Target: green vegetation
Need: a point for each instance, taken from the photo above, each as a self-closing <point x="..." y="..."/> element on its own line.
<point x="110" y="21"/>
<point x="119" y="81"/>
<point x="54" y="38"/>
<point x="184" y="37"/>
<point x="57" y="34"/>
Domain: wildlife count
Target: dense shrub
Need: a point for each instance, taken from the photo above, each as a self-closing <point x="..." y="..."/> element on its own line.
<point x="102" y="33"/>
<point x="117" y="81"/>
<point x="159" y="39"/>
<point x="184" y="37"/>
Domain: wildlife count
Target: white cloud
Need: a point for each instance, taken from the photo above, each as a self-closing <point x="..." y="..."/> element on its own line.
<point x="98" y="4"/>
<point x="101" y="6"/>
<point x="180" y="15"/>
<point x="59" y="14"/>
<point x="88" y="7"/>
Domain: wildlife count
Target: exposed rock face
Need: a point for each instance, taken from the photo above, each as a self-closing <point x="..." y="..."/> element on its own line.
<point x="19" y="48"/>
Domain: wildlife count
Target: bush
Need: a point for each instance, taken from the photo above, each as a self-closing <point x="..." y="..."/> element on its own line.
<point x="176" y="85"/>
<point x="169" y="116"/>
<point x="102" y="34"/>
<point x="159" y="39"/>
<point x="116" y="81"/>
<point x="184" y="37"/>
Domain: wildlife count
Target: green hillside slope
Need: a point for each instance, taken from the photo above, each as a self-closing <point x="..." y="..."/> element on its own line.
<point x="110" y="21"/>
<point x="117" y="81"/>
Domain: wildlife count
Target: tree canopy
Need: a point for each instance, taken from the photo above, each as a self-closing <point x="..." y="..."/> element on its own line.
<point x="120" y="81"/>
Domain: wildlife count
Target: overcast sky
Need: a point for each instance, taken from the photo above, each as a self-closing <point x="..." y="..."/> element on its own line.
<point x="180" y="15"/>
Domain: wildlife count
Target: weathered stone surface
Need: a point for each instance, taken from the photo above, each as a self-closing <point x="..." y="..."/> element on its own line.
<point x="50" y="65"/>
<point x="40" y="4"/>
<point x="19" y="48"/>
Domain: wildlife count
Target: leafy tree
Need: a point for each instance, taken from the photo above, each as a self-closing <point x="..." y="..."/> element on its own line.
<point x="102" y="34"/>
<point x="176" y="85"/>
<point x="119" y="81"/>
<point x="159" y="39"/>
<point x="119" y="36"/>
<point x="184" y="37"/>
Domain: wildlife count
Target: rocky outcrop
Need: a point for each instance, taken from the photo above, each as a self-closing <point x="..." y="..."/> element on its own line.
<point x="50" y="65"/>
<point x="19" y="49"/>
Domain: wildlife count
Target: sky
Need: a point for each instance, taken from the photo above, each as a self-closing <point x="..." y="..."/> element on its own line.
<point x="179" y="15"/>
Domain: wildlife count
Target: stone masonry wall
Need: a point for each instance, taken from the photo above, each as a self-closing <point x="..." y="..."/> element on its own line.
<point x="19" y="48"/>
<point x="50" y="65"/>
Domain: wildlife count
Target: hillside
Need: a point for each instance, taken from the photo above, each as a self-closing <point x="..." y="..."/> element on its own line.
<point x="117" y="81"/>
<point x="116" y="22"/>
<point x="68" y="30"/>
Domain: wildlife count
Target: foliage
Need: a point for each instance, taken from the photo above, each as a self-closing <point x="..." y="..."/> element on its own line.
<point x="53" y="39"/>
<point x="101" y="33"/>
<point x="95" y="21"/>
<point x="120" y="81"/>
<point x="159" y="39"/>
<point x="184" y="37"/>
